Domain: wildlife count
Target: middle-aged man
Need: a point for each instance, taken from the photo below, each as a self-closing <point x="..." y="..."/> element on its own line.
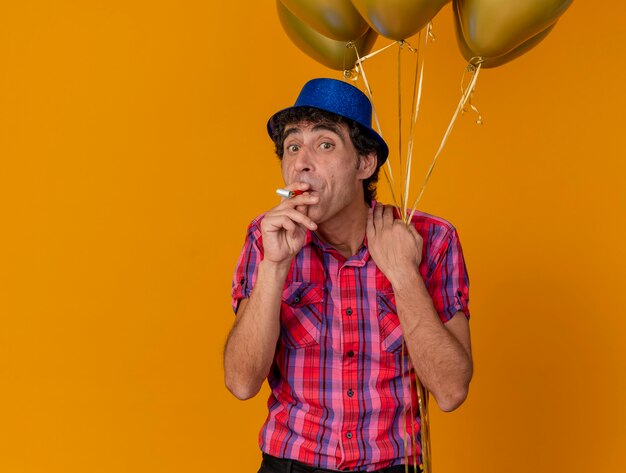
<point x="328" y="285"/>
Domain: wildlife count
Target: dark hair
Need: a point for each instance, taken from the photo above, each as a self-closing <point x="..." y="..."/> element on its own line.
<point x="362" y="142"/>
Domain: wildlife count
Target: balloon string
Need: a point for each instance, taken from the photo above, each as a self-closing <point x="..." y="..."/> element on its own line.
<point x="422" y="400"/>
<point x="417" y="99"/>
<point x="374" y="53"/>
<point x="464" y="98"/>
<point x="407" y="179"/>
<point x="387" y="172"/>
<point x="431" y="35"/>
<point x="479" y="119"/>
<point x="413" y="431"/>
<point x="404" y="411"/>
<point x="387" y="169"/>
<point x="470" y="68"/>
<point x="421" y="392"/>
<point x="402" y="199"/>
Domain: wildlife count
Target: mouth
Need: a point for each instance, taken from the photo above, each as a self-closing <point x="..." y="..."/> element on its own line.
<point x="315" y="192"/>
<point x="310" y="192"/>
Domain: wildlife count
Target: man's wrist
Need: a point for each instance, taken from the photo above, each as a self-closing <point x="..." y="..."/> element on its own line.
<point x="406" y="278"/>
<point x="275" y="270"/>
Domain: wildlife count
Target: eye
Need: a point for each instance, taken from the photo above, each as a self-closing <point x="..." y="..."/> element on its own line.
<point x="326" y="145"/>
<point x="293" y="148"/>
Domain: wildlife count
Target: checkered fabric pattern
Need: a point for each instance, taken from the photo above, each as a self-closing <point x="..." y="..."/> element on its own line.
<point x="337" y="394"/>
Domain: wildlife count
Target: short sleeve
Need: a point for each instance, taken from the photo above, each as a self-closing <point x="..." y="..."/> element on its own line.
<point x="448" y="284"/>
<point x="246" y="269"/>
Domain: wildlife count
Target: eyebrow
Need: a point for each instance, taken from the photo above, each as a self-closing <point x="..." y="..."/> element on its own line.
<point x="331" y="128"/>
<point x="289" y="132"/>
<point x="318" y="127"/>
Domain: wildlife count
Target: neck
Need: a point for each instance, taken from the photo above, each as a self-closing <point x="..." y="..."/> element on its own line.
<point x="345" y="232"/>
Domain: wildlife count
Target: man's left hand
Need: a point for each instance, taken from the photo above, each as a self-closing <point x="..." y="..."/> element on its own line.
<point x="395" y="246"/>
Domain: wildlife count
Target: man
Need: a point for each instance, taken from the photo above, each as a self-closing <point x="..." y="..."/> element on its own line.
<point x="328" y="285"/>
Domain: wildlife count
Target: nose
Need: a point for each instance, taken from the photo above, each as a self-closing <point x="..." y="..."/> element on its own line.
<point x="304" y="160"/>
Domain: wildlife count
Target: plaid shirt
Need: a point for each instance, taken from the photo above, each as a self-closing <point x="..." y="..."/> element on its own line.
<point x="337" y="394"/>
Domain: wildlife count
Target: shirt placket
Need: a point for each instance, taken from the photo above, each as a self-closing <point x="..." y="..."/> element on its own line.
<point x="349" y="370"/>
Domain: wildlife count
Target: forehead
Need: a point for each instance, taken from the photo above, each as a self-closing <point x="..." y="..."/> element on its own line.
<point x="340" y="129"/>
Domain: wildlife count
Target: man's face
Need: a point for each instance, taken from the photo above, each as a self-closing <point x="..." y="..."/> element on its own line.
<point x="324" y="157"/>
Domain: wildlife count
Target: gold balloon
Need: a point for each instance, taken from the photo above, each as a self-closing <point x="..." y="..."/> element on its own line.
<point x="498" y="61"/>
<point x="337" y="19"/>
<point x="494" y="28"/>
<point x="332" y="53"/>
<point x="398" y="19"/>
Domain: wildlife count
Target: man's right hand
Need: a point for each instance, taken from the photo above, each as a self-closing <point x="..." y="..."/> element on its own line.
<point x="284" y="227"/>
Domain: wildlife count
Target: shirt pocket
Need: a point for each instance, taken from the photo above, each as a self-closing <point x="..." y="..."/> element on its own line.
<point x="301" y="314"/>
<point x="389" y="323"/>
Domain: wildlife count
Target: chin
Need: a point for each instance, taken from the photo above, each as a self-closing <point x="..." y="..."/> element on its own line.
<point x="316" y="214"/>
<point x="316" y="217"/>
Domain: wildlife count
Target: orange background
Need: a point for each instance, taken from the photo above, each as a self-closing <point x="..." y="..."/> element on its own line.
<point x="134" y="154"/>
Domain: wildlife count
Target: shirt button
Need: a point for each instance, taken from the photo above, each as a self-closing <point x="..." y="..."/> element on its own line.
<point x="350" y="393"/>
<point x="349" y="435"/>
<point x="350" y="353"/>
<point x="349" y="311"/>
<point x="296" y="299"/>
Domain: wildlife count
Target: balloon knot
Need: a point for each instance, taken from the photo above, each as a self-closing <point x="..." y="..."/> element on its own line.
<point x="408" y="45"/>
<point x="474" y="63"/>
<point x="351" y="74"/>
<point x="431" y="35"/>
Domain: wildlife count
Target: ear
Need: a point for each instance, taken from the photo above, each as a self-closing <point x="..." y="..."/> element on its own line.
<point x="367" y="165"/>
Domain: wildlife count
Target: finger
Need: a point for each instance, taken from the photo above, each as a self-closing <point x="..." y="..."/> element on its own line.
<point x="304" y="202"/>
<point x="298" y="186"/>
<point x="308" y="199"/>
<point x="277" y="221"/>
<point x="289" y="225"/>
<point x="292" y="233"/>
<point x="378" y="217"/>
<point x="414" y="232"/>
<point x="283" y="228"/>
<point x="303" y="209"/>
<point x="388" y="216"/>
<point x="299" y="200"/>
<point x="418" y="238"/>
<point x="293" y="215"/>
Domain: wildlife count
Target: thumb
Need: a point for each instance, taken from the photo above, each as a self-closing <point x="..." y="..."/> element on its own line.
<point x="416" y="235"/>
<point x="303" y="209"/>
